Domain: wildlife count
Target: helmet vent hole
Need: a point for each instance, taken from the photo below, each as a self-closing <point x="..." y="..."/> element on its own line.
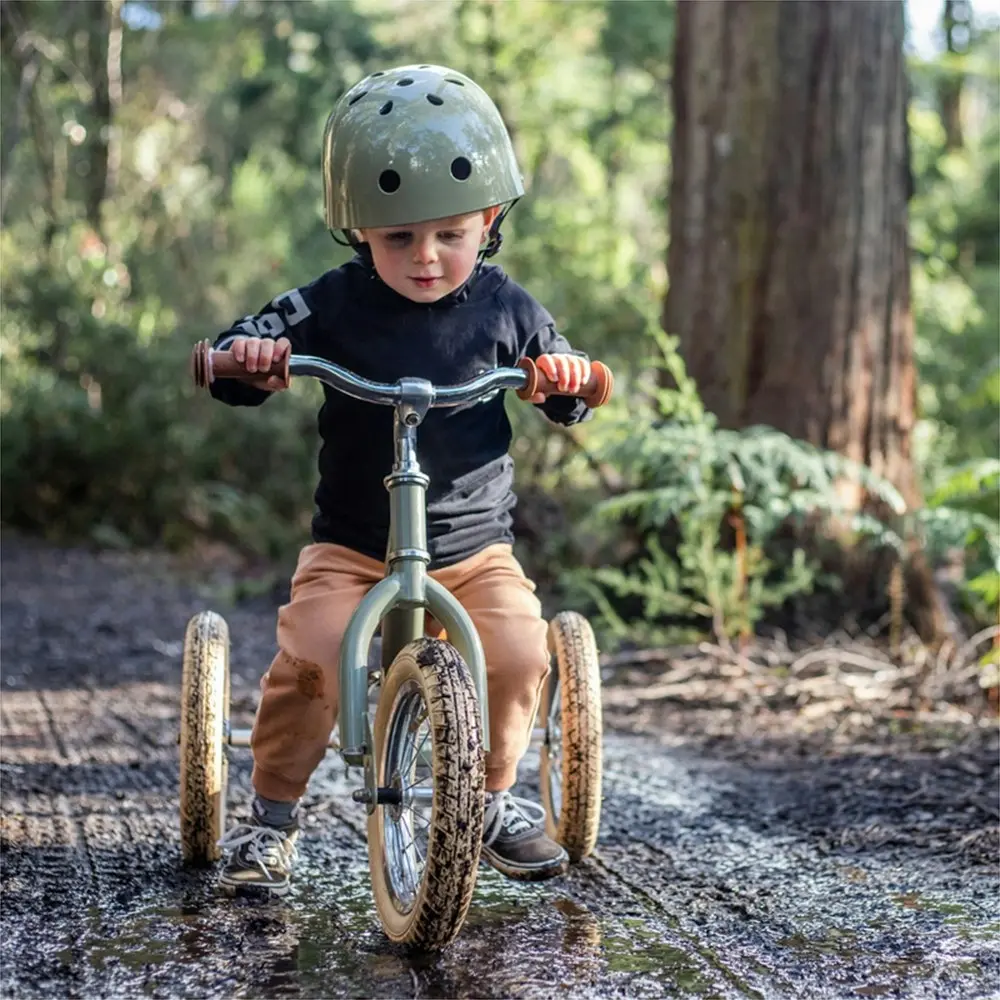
<point x="379" y="72"/>
<point x="458" y="82"/>
<point x="405" y="82"/>
<point x="357" y="97"/>
<point x="461" y="168"/>
<point x="425" y="66"/>
<point x="434" y="99"/>
<point x="386" y="108"/>
<point x="388" y="182"/>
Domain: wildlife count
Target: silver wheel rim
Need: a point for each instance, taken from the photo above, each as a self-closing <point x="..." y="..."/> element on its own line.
<point x="407" y="768"/>
<point x="553" y="744"/>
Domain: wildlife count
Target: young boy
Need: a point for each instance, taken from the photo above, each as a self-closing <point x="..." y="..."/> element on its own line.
<point x="418" y="172"/>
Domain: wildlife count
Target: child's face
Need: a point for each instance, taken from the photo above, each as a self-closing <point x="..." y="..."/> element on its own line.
<point x="426" y="261"/>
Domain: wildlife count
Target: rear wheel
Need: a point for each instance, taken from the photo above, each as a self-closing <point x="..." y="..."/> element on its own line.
<point x="423" y="849"/>
<point x="204" y="720"/>
<point x="570" y="761"/>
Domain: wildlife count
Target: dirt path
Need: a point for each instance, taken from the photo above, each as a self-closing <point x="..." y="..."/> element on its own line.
<point x="764" y="868"/>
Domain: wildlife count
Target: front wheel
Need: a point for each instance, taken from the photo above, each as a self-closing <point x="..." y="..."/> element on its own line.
<point x="423" y="848"/>
<point x="204" y="720"/>
<point x="570" y="761"/>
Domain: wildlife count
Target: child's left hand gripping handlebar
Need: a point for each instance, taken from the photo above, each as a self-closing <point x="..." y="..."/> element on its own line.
<point x="596" y="391"/>
<point x="208" y="364"/>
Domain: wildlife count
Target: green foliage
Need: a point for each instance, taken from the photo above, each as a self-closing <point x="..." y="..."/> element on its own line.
<point x="701" y="585"/>
<point x="216" y="207"/>
<point x="956" y="268"/>
<point x="104" y="434"/>
<point x="963" y="516"/>
<point x="706" y="506"/>
<point x="713" y="516"/>
<point x="589" y="117"/>
<point x="215" y="211"/>
<point x="956" y="293"/>
<point x="973" y="486"/>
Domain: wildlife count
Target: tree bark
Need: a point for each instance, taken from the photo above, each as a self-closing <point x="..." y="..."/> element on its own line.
<point x="105" y="44"/>
<point x="788" y="261"/>
<point x="27" y="64"/>
<point x="956" y="24"/>
<point x="789" y="244"/>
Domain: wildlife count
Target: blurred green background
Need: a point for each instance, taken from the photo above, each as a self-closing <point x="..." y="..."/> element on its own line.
<point x="160" y="178"/>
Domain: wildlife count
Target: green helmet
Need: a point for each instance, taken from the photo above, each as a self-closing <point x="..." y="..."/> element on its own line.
<point x="415" y="143"/>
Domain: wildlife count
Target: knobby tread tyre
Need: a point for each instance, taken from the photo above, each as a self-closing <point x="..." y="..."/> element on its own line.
<point x="204" y="766"/>
<point x="575" y="825"/>
<point x="456" y="826"/>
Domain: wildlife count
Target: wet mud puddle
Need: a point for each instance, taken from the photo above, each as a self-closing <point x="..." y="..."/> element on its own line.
<point x="713" y="877"/>
<point x="682" y="898"/>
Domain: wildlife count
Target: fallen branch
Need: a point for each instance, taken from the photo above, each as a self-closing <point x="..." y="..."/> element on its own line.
<point x="839" y="656"/>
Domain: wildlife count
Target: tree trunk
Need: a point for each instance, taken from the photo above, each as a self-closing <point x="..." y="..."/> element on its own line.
<point x="789" y="261"/>
<point x="956" y="24"/>
<point x="789" y="278"/>
<point x="105" y="51"/>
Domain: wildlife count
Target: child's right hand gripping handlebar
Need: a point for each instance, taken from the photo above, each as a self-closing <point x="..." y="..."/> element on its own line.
<point x="208" y="364"/>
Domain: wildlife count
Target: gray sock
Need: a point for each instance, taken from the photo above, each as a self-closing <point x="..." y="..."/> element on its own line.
<point x="272" y="813"/>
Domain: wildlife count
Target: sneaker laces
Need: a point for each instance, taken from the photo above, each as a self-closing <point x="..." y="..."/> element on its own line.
<point x="509" y="814"/>
<point x="264" y="845"/>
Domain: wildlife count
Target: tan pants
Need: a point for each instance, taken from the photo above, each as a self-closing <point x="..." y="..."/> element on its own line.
<point x="298" y="707"/>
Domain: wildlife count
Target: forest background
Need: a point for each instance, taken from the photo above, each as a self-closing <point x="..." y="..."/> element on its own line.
<point x="160" y="178"/>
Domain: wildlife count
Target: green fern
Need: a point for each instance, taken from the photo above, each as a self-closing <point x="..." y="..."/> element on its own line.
<point x="687" y="477"/>
<point x="963" y="514"/>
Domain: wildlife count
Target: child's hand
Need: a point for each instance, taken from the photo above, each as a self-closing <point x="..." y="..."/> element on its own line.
<point x="570" y="372"/>
<point x="257" y="354"/>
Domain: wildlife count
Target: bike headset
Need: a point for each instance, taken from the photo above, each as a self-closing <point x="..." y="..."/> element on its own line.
<point x="414" y="143"/>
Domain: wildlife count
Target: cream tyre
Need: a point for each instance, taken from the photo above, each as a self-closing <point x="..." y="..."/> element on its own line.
<point x="424" y="852"/>
<point x="570" y="761"/>
<point x="204" y="766"/>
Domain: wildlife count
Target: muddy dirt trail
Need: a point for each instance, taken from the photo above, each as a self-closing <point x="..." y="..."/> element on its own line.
<point x="718" y="874"/>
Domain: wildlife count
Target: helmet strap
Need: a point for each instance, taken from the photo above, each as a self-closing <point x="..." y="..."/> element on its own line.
<point x="495" y="240"/>
<point x="344" y="238"/>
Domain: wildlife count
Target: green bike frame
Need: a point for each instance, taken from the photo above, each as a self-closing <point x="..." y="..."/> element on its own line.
<point x="400" y="601"/>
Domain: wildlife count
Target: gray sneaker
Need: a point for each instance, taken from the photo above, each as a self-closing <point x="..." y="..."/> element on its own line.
<point x="514" y="839"/>
<point x="260" y="856"/>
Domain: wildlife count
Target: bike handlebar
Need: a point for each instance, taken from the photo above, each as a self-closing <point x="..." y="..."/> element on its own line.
<point x="208" y="364"/>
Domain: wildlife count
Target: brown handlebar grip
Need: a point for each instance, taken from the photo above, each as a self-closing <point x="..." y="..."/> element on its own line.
<point x="207" y="365"/>
<point x="595" y="392"/>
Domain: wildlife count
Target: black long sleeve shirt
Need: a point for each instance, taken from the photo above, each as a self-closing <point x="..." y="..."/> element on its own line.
<point x="351" y="318"/>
